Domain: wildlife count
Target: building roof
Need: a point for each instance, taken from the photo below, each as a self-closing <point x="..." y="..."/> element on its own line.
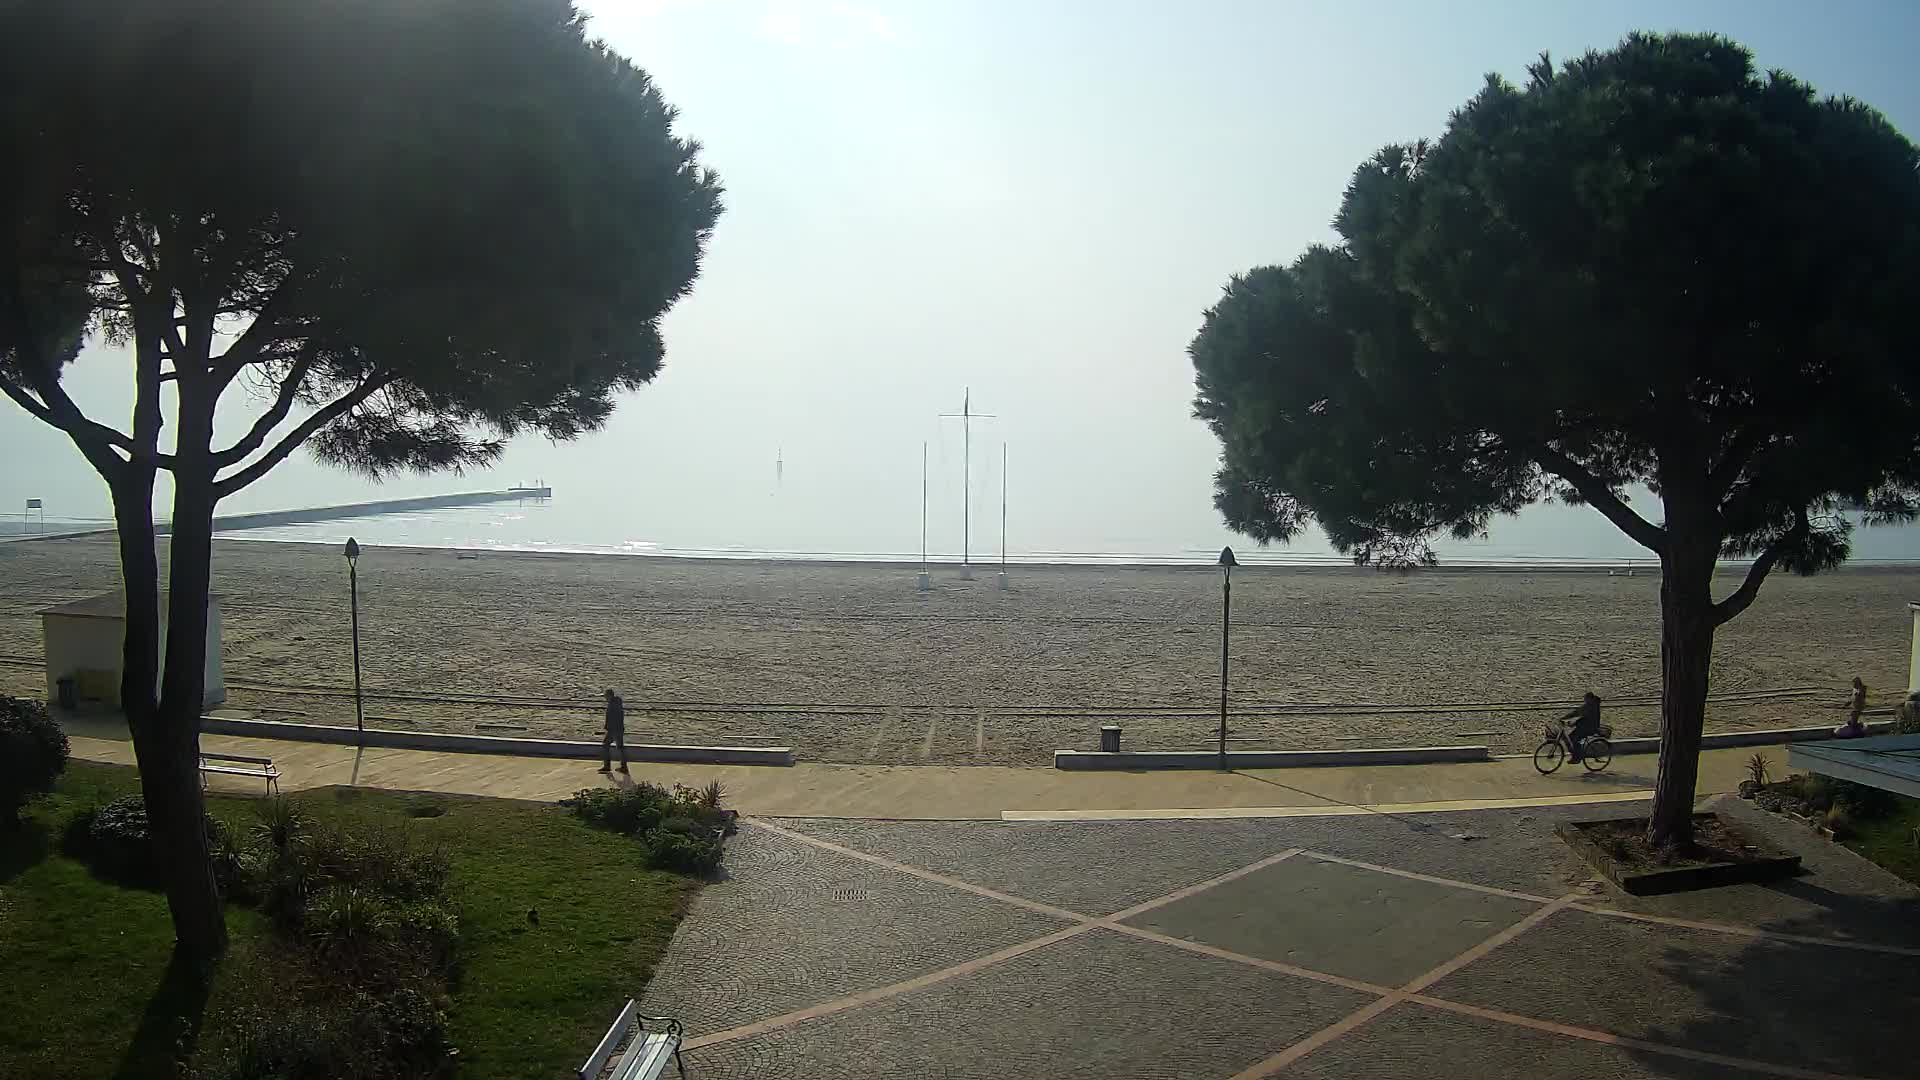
<point x="1888" y="762"/>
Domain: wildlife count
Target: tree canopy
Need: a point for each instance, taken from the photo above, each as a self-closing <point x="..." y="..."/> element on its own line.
<point x="408" y="230"/>
<point x="1650" y="267"/>
<point x="429" y="225"/>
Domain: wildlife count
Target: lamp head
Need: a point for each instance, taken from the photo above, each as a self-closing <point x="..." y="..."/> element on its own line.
<point x="353" y="549"/>
<point x="1226" y="557"/>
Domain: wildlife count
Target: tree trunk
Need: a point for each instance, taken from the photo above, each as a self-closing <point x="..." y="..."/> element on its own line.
<point x="166" y="750"/>
<point x="199" y="922"/>
<point x="1686" y="652"/>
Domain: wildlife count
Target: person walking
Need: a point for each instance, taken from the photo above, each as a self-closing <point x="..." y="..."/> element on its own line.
<point x="614" y="733"/>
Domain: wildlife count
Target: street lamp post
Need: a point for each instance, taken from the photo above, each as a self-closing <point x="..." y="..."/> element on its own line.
<point x="1227" y="563"/>
<point x="353" y="590"/>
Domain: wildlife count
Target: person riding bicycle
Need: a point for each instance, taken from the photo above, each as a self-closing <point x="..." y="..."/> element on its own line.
<point x="1586" y="724"/>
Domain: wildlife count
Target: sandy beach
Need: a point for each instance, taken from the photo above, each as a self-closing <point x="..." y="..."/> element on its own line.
<point x="849" y="663"/>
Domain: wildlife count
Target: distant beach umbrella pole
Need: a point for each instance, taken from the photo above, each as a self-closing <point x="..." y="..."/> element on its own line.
<point x="926" y="578"/>
<point x="1003" y="517"/>
<point x="1227" y="563"/>
<point x="966" y="416"/>
<point x="353" y="591"/>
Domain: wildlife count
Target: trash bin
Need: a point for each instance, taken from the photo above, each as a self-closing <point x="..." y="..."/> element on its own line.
<point x="1110" y="739"/>
<point x="67" y="693"/>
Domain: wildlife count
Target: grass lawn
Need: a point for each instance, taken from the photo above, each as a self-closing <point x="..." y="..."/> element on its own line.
<point x="86" y="990"/>
<point x="1893" y="840"/>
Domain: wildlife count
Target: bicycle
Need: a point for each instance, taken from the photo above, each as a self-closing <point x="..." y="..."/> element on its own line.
<point x="1596" y="752"/>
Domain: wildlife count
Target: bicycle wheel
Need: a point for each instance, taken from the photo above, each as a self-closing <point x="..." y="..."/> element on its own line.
<point x="1596" y="753"/>
<point x="1550" y="756"/>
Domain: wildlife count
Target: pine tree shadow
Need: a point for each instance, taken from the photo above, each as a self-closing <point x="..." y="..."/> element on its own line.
<point x="23" y="848"/>
<point x="170" y="1025"/>
<point x="1798" y="1005"/>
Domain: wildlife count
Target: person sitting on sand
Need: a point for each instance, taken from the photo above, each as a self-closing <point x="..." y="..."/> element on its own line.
<point x="1586" y="724"/>
<point x="1853" y="728"/>
<point x="615" y="732"/>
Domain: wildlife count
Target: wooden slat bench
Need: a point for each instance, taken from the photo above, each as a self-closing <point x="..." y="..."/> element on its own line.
<point x="241" y="765"/>
<point x="654" y="1043"/>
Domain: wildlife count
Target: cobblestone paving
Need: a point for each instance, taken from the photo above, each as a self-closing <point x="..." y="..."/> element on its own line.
<point x="814" y="962"/>
<point x="1095" y="1006"/>
<point x="1415" y="1043"/>
<point x="1339" y="919"/>
<point x="1102" y="866"/>
<point x="795" y="925"/>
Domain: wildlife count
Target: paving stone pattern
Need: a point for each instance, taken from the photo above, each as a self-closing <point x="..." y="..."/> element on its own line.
<point x="1093" y="1007"/>
<point x="798" y="927"/>
<point x="1411" y="1042"/>
<point x="1339" y="919"/>
<point x="795" y="925"/>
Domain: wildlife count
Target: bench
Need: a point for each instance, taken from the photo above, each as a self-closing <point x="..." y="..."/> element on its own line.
<point x="645" y="1056"/>
<point x="240" y="765"/>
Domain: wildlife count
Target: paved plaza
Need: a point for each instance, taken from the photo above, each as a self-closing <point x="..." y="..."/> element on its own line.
<point x="1465" y="944"/>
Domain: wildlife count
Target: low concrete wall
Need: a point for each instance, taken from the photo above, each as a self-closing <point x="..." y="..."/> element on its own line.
<point x="494" y="744"/>
<point x="1264" y="759"/>
<point x="1761" y="737"/>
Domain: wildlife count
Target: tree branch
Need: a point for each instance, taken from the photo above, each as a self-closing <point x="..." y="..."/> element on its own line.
<point x="1739" y="452"/>
<point x="1743" y="597"/>
<point x="282" y="405"/>
<point x="86" y="434"/>
<point x="321" y="418"/>
<point x="257" y="336"/>
<point x="1602" y="498"/>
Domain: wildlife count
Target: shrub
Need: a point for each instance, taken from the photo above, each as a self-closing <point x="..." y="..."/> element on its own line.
<point x="635" y="809"/>
<point x="1839" y="821"/>
<point x="116" y="841"/>
<point x="33" y="752"/>
<point x="399" y="1033"/>
<point x="679" y="830"/>
<point x="685" y="845"/>
<point x="430" y="928"/>
<point x="383" y="862"/>
<point x="1759" y="770"/>
<point x="343" y="918"/>
<point x="281" y="823"/>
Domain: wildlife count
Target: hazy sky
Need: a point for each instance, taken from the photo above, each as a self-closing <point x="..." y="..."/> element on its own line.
<point x="1036" y="200"/>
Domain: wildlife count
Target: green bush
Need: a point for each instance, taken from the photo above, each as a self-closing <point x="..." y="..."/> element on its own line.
<point x="382" y="861"/>
<point x="680" y="830"/>
<point x="114" y="839"/>
<point x="281" y="823"/>
<point x="398" y="1034"/>
<point x="344" y="918"/>
<point x="688" y="853"/>
<point x="33" y="753"/>
<point x="631" y="810"/>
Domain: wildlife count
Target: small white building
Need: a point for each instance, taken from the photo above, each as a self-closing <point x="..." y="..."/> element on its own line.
<point x="85" y="639"/>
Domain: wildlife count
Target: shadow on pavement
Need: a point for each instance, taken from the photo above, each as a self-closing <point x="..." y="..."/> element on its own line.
<point x="1803" y="1006"/>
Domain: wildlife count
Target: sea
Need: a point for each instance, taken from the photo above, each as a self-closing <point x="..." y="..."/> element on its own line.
<point x="1541" y="537"/>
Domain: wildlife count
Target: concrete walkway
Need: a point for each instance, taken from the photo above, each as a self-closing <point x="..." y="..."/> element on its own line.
<point x="964" y="792"/>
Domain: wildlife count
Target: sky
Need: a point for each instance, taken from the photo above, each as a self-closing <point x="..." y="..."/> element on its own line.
<point x="1036" y="201"/>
